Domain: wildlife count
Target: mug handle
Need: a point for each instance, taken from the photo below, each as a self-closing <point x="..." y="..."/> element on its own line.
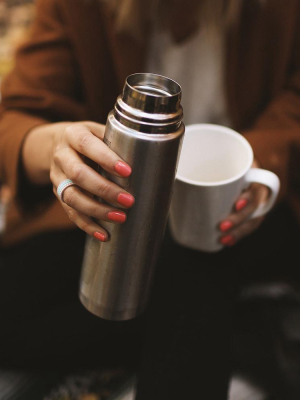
<point x="269" y="179"/>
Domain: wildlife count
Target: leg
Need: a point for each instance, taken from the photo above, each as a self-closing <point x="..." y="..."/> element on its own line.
<point x="187" y="352"/>
<point x="267" y="320"/>
<point x="43" y="324"/>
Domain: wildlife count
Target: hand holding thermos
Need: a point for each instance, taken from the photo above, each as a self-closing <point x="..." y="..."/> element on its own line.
<point x="145" y="129"/>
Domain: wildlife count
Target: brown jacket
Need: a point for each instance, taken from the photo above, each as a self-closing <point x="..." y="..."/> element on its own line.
<point x="79" y="54"/>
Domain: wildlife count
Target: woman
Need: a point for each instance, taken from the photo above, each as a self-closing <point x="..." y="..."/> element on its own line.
<point x="72" y="69"/>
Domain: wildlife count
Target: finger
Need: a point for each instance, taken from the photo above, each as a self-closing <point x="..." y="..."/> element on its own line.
<point x="97" y="129"/>
<point x="236" y="218"/>
<point x="256" y="193"/>
<point x="79" y="201"/>
<point x="82" y="140"/>
<point x="83" y="221"/>
<point x="245" y="206"/>
<point x="82" y="175"/>
<point x="86" y="224"/>
<point x="241" y="231"/>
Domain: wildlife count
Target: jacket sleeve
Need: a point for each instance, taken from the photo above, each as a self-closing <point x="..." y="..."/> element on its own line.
<point x="275" y="132"/>
<point x="43" y="87"/>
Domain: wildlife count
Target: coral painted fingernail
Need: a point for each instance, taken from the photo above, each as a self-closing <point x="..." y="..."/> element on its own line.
<point x="240" y="204"/>
<point x="123" y="169"/>
<point x="227" y="240"/>
<point x="100" y="236"/>
<point x="125" y="199"/>
<point x="117" y="216"/>
<point x="226" y="225"/>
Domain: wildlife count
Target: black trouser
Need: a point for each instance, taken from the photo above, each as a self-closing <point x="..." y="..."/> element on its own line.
<point x="187" y="351"/>
<point x="43" y="324"/>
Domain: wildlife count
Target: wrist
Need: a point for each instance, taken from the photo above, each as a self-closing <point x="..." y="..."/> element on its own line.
<point x="36" y="154"/>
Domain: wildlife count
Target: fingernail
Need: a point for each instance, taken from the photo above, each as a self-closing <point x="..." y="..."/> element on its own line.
<point x="227" y="240"/>
<point x="100" y="236"/>
<point x="226" y="225"/>
<point x="125" y="199"/>
<point x="117" y="216"/>
<point x="240" y="204"/>
<point x="123" y="169"/>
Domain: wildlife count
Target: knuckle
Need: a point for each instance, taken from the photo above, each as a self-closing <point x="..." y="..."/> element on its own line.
<point x="249" y="193"/>
<point x="56" y="156"/>
<point x="94" y="211"/>
<point x="256" y="187"/>
<point x="71" y="214"/>
<point x="247" y="228"/>
<point x="106" y="157"/>
<point x="255" y="200"/>
<point x="237" y="218"/>
<point x="245" y="212"/>
<point x="105" y="189"/>
<point x="85" y="226"/>
<point x="69" y="130"/>
<point x="83" y="140"/>
<point x="69" y="196"/>
<point x="76" y="172"/>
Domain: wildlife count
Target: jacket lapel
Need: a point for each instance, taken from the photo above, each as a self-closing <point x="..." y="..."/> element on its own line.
<point x="251" y="59"/>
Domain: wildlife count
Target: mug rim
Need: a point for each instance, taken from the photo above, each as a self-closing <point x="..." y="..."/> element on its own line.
<point x="230" y="132"/>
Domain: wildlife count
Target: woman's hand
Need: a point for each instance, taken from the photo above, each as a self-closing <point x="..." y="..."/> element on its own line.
<point x="238" y="224"/>
<point x="64" y="147"/>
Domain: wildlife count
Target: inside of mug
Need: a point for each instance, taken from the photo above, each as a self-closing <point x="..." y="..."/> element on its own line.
<point x="213" y="154"/>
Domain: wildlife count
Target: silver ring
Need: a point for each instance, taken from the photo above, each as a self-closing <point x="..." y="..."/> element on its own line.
<point x="62" y="187"/>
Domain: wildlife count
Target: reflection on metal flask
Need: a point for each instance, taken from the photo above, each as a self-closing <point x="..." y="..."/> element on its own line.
<point x="145" y="129"/>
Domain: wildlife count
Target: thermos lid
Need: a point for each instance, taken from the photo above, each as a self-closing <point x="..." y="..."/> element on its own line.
<point x="150" y="103"/>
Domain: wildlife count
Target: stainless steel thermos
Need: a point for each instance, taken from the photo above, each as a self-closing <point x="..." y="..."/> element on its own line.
<point x="145" y="129"/>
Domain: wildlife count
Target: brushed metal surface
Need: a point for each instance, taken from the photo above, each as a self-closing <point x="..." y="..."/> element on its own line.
<point x="116" y="275"/>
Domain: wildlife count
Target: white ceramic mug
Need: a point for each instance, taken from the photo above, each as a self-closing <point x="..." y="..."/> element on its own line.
<point x="214" y="168"/>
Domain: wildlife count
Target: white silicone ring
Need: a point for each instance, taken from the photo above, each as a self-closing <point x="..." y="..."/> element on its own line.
<point x="62" y="187"/>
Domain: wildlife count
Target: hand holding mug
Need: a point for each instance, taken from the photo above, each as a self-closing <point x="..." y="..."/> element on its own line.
<point x="239" y="224"/>
<point x="214" y="174"/>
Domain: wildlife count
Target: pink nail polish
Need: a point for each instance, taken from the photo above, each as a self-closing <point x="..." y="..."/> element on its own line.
<point x="123" y="169"/>
<point x="117" y="216"/>
<point x="240" y="204"/>
<point x="125" y="199"/>
<point x="225" y="225"/>
<point x="100" y="236"/>
<point x="227" y="240"/>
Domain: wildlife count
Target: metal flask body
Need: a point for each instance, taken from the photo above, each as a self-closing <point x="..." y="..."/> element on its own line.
<point x="145" y="129"/>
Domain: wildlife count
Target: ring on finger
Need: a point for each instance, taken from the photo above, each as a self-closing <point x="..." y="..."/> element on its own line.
<point x="62" y="187"/>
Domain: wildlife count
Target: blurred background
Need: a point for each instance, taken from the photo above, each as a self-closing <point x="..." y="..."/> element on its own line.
<point x="15" y="19"/>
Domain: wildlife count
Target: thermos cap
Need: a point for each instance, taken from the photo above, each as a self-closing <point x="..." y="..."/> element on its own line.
<point x="150" y="103"/>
